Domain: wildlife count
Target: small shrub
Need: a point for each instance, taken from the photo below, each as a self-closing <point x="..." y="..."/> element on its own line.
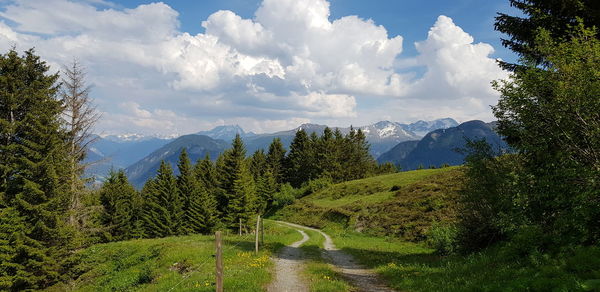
<point x="443" y="238"/>
<point x="527" y="241"/>
<point x="316" y="185"/>
<point x="285" y="196"/>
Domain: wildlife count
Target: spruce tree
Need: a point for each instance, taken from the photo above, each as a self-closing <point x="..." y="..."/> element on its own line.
<point x="258" y="164"/>
<point x="241" y="204"/>
<point x="117" y="196"/>
<point x="298" y="160"/>
<point x="162" y="212"/>
<point x="236" y="181"/>
<point x="33" y="173"/>
<point x="275" y="160"/>
<point x="198" y="207"/>
<point x="557" y="17"/>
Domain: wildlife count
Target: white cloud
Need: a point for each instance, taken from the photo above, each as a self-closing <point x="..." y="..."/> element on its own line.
<point x="288" y="64"/>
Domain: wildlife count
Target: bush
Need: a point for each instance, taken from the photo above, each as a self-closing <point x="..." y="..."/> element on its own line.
<point x="442" y="238"/>
<point x="315" y="185"/>
<point x="285" y="196"/>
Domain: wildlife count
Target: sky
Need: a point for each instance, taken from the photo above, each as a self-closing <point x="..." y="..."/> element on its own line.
<point x="178" y="67"/>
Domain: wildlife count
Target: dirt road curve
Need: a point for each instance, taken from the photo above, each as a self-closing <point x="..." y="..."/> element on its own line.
<point x="288" y="265"/>
<point x="363" y="279"/>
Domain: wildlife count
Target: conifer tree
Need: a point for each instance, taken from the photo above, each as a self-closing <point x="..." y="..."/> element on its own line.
<point x="275" y="160"/>
<point x="258" y="164"/>
<point x="162" y="212"/>
<point x="117" y="196"/>
<point x="266" y="187"/>
<point x="241" y="202"/>
<point x="33" y="172"/>
<point x="198" y="207"/>
<point x="236" y="181"/>
<point x="327" y="154"/>
<point x="298" y="160"/>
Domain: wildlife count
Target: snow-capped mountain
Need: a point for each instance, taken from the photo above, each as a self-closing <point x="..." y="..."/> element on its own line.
<point x="421" y="128"/>
<point x="135" y="137"/>
<point x="385" y="134"/>
<point x="226" y="133"/>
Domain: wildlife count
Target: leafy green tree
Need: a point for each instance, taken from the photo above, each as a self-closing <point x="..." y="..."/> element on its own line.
<point x="163" y="207"/>
<point x="550" y="114"/>
<point x="275" y="160"/>
<point x="117" y="196"/>
<point x="557" y="17"/>
<point x="198" y="207"/>
<point x="33" y="171"/>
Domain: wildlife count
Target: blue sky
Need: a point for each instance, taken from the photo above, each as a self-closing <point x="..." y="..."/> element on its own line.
<point x="409" y="18"/>
<point x="180" y="66"/>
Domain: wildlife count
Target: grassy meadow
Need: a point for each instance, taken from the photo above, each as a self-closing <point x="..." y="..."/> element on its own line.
<point x="180" y="263"/>
<point x="402" y="204"/>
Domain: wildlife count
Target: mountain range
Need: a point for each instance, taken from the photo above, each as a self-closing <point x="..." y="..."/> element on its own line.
<point x="141" y="155"/>
<point x="440" y="146"/>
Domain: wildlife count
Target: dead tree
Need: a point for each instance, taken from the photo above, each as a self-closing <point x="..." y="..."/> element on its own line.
<point x="80" y="116"/>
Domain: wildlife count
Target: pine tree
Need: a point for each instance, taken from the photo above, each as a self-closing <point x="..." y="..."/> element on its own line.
<point x="258" y="164"/>
<point x="33" y="171"/>
<point x="558" y="17"/>
<point x="242" y="200"/>
<point x="266" y="187"/>
<point x="117" y="196"/>
<point x="298" y="160"/>
<point x="236" y="181"/>
<point x="162" y="212"/>
<point x="198" y="207"/>
<point x="275" y="160"/>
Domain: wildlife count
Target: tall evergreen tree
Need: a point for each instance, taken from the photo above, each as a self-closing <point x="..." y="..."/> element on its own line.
<point x="198" y="207"/>
<point x="241" y="202"/>
<point x="163" y="210"/>
<point x="275" y="160"/>
<point x="33" y="171"/>
<point x="258" y="164"/>
<point x="236" y="181"/>
<point x="557" y="17"/>
<point x="299" y="160"/>
<point x="117" y="196"/>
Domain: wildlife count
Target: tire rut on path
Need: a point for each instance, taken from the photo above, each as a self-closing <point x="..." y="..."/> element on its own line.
<point x="288" y="264"/>
<point x="363" y="279"/>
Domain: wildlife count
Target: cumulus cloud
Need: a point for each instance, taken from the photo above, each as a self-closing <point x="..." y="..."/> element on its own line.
<point x="290" y="63"/>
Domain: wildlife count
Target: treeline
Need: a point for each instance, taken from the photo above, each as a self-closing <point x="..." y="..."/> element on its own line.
<point x="231" y="191"/>
<point x="545" y="198"/>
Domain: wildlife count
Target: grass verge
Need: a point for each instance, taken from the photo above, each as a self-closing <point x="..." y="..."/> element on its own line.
<point x="410" y="266"/>
<point x="181" y="263"/>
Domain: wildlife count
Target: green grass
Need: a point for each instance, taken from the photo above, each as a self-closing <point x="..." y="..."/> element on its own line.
<point x="410" y="266"/>
<point x="182" y="263"/>
<point x="403" y="204"/>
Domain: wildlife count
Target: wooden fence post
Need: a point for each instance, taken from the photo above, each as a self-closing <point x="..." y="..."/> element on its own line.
<point x="240" y="226"/>
<point x="219" y="261"/>
<point x="262" y="231"/>
<point x="256" y="237"/>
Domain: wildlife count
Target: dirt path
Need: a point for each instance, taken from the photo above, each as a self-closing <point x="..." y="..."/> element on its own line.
<point x="363" y="279"/>
<point x="288" y="264"/>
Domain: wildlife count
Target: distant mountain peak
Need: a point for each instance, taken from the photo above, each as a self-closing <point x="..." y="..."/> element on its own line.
<point x="226" y="132"/>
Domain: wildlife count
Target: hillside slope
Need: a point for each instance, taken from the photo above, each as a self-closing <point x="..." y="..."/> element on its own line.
<point x="403" y="204"/>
